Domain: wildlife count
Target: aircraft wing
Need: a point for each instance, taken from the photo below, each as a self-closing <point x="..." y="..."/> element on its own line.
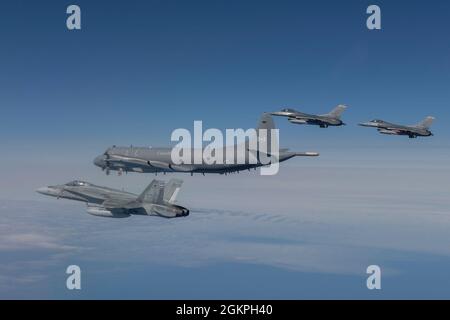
<point x="154" y="193"/>
<point x="283" y="152"/>
<point x="303" y="116"/>
<point x="174" y="167"/>
<point x="115" y="203"/>
<point x="87" y="194"/>
<point x="395" y="130"/>
<point x="155" y="164"/>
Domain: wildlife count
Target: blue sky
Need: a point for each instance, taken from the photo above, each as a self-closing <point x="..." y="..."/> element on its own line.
<point x="139" y="69"/>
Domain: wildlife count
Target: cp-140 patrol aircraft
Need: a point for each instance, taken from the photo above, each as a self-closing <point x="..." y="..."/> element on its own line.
<point x="154" y="160"/>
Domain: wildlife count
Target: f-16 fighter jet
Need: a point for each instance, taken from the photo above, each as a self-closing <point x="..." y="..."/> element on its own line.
<point x="155" y="160"/>
<point x="419" y="130"/>
<point x="156" y="200"/>
<point x="333" y="118"/>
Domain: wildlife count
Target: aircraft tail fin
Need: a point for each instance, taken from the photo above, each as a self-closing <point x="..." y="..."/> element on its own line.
<point x="265" y="123"/>
<point x="171" y="190"/>
<point x="336" y="112"/>
<point x="154" y="193"/>
<point x="425" y="123"/>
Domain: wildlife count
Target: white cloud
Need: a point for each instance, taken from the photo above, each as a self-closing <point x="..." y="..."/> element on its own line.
<point x="21" y="241"/>
<point x="322" y="220"/>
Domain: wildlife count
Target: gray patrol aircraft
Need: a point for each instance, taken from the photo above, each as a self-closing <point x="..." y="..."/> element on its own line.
<point x="333" y="118"/>
<point x="156" y="200"/>
<point x="421" y="129"/>
<point x="156" y="160"/>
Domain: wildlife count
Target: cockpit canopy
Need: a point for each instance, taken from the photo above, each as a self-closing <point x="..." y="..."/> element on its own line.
<point x="288" y="110"/>
<point x="77" y="183"/>
<point x="377" y="121"/>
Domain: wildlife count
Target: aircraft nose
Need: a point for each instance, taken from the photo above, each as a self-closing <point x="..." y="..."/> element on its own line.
<point x="99" y="161"/>
<point x="43" y="190"/>
<point x="279" y="113"/>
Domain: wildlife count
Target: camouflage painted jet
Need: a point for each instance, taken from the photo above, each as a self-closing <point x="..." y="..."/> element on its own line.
<point x="419" y="130"/>
<point x="155" y="160"/>
<point x="333" y="118"/>
<point x="156" y="200"/>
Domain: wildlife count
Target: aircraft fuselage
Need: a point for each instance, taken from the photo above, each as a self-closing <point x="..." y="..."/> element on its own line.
<point x="154" y="160"/>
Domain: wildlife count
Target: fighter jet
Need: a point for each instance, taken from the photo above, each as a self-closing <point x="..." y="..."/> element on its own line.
<point x="159" y="160"/>
<point x="421" y="129"/>
<point x="156" y="200"/>
<point x="333" y="118"/>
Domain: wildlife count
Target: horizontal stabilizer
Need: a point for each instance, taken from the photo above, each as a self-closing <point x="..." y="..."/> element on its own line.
<point x="306" y="154"/>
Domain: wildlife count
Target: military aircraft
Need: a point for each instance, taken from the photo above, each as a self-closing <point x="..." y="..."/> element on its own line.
<point x="421" y="129"/>
<point x="333" y="118"/>
<point x="155" y="160"/>
<point x="156" y="200"/>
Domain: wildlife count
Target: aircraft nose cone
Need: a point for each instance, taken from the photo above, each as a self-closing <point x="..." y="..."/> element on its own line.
<point x="99" y="161"/>
<point x="279" y="113"/>
<point x="43" y="190"/>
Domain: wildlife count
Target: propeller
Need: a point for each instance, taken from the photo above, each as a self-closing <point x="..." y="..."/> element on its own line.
<point x="107" y="163"/>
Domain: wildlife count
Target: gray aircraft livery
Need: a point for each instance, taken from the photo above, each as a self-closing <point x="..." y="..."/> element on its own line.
<point x="333" y="118"/>
<point x="421" y="129"/>
<point x="156" y="200"/>
<point x="155" y="160"/>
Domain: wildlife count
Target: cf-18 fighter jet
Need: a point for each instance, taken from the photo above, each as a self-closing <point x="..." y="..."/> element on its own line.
<point x="154" y="160"/>
<point x="421" y="129"/>
<point x="156" y="200"/>
<point x="333" y="118"/>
